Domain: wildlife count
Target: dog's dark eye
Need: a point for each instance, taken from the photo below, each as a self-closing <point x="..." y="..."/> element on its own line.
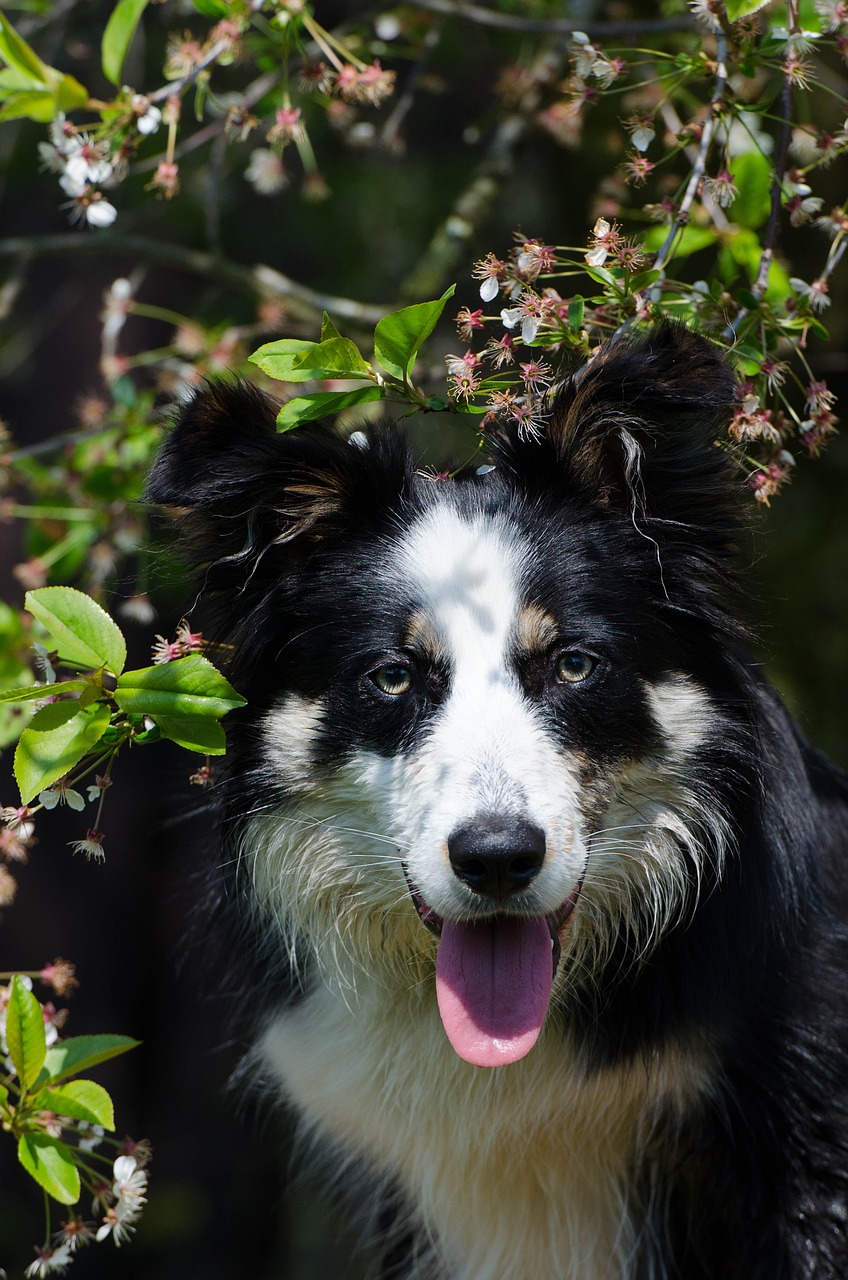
<point x="573" y="667"/>
<point x="393" y="678"/>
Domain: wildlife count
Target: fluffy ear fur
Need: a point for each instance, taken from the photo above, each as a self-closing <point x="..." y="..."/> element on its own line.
<point x="241" y="490"/>
<point x="636" y="429"/>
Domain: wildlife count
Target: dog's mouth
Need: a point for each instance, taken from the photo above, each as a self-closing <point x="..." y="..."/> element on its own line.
<point x="494" y="977"/>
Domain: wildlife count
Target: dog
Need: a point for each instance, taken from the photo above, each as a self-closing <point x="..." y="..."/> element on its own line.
<point x="547" y="889"/>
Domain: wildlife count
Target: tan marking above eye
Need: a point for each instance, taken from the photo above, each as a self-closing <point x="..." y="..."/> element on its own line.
<point x="536" y="630"/>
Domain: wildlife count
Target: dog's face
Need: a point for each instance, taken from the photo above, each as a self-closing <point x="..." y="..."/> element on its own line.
<point x="482" y="712"/>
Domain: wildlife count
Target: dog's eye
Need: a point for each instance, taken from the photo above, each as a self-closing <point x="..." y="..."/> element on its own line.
<point x="573" y="667"/>
<point x="393" y="678"/>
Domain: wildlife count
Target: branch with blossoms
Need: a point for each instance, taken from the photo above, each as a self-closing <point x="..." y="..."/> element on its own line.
<point x="92" y="144"/>
<point x="559" y="299"/>
<point x="63" y="1123"/>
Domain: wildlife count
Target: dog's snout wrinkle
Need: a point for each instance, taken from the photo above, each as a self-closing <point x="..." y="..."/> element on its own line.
<point x="497" y="856"/>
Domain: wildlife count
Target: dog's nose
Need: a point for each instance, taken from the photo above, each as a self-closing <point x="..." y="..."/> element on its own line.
<point x="497" y="856"/>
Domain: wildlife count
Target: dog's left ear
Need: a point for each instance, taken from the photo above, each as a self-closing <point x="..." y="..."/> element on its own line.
<point x="245" y="495"/>
<point x="636" y="431"/>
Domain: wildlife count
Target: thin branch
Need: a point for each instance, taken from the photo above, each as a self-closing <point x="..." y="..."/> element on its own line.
<point x="700" y="165"/>
<point x="260" y="280"/>
<point x="555" y="26"/>
<point x="760" y="285"/>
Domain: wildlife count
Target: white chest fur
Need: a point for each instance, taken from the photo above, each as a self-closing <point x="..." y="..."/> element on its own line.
<point x="519" y="1171"/>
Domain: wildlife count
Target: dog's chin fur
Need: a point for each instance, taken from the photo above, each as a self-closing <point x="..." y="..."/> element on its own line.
<point x="518" y="705"/>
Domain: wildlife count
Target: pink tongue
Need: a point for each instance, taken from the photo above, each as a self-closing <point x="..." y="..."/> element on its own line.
<point x="493" y="984"/>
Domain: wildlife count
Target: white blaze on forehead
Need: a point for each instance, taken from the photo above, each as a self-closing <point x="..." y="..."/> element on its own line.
<point x="466" y="572"/>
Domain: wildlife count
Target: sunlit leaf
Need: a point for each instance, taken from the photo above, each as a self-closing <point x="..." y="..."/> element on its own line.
<point x="118" y="35"/>
<point x="25" y="1034"/>
<point x="321" y="403"/>
<point x="79" y="1053"/>
<point x="80" y="1100"/>
<point x="57" y="738"/>
<point x="398" y="337"/>
<point x="82" y="632"/>
<point x="50" y="1163"/>
<point x="189" y="686"/>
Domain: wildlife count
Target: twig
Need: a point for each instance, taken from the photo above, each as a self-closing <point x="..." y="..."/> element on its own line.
<point x="699" y="167"/>
<point x="555" y="26"/>
<point x="259" y="280"/>
<point x="770" y="238"/>
<point x="252" y="94"/>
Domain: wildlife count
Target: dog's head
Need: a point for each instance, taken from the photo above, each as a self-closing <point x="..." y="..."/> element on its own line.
<point x="485" y="713"/>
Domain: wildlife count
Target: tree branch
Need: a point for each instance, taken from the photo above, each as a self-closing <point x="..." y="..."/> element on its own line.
<point x="555" y="26"/>
<point x="260" y="280"/>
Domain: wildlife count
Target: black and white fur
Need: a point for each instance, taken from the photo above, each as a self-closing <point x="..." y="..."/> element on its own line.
<point x="437" y="672"/>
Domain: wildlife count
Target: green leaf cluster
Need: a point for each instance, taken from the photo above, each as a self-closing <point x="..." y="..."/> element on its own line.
<point x="28" y="87"/>
<point x="45" y="1083"/>
<point x="398" y="338"/>
<point x="103" y="706"/>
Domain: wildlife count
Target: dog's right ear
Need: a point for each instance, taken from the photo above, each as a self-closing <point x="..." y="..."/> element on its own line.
<point x="240" y="489"/>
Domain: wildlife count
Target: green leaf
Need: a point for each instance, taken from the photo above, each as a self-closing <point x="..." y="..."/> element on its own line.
<point x="67" y="92"/>
<point x="38" y="105"/>
<point x="57" y="738"/>
<point x="79" y="1053"/>
<point x="399" y="336"/>
<point x="213" y="9"/>
<point x="752" y="176"/>
<point x="195" y="733"/>
<point x="42" y="690"/>
<point x="79" y="1099"/>
<point x="50" y="1162"/>
<point x="737" y="9"/>
<point x="328" y="329"/>
<point x="335" y="358"/>
<point x="689" y="241"/>
<point x="277" y="358"/>
<point x="307" y="408"/>
<point x="575" y="313"/>
<point x="82" y="631"/>
<point x="187" y="687"/>
<point x="118" y="35"/>
<point x="25" y="1034"/>
<point x="16" y="52"/>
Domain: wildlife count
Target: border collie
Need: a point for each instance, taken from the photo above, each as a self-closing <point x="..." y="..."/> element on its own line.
<point x="547" y="886"/>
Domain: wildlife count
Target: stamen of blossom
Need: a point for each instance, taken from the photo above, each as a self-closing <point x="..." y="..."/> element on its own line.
<point x="467" y="321"/>
<point x="490" y="270"/>
<point x="818" y="397"/>
<point x="816" y="293"/>
<point x="166" y="180"/>
<point x="534" y="257"/>
<point x="535" y="375"/>
<point x="60" y="975"/>
<point x="637" y="169"/>
<point x="460" y="365"/>
<point x="500" y="351"/>
<point x="722" y="188"/>
<point x="604" y="239"/>
<point x="91" y="846"/>
<point x="49" y="1261"/>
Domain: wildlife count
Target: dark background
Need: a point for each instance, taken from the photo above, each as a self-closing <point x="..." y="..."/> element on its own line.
<point x="217" y="1207"/>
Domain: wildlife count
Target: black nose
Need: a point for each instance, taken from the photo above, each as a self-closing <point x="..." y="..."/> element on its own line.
<point x="497" y="856"/>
